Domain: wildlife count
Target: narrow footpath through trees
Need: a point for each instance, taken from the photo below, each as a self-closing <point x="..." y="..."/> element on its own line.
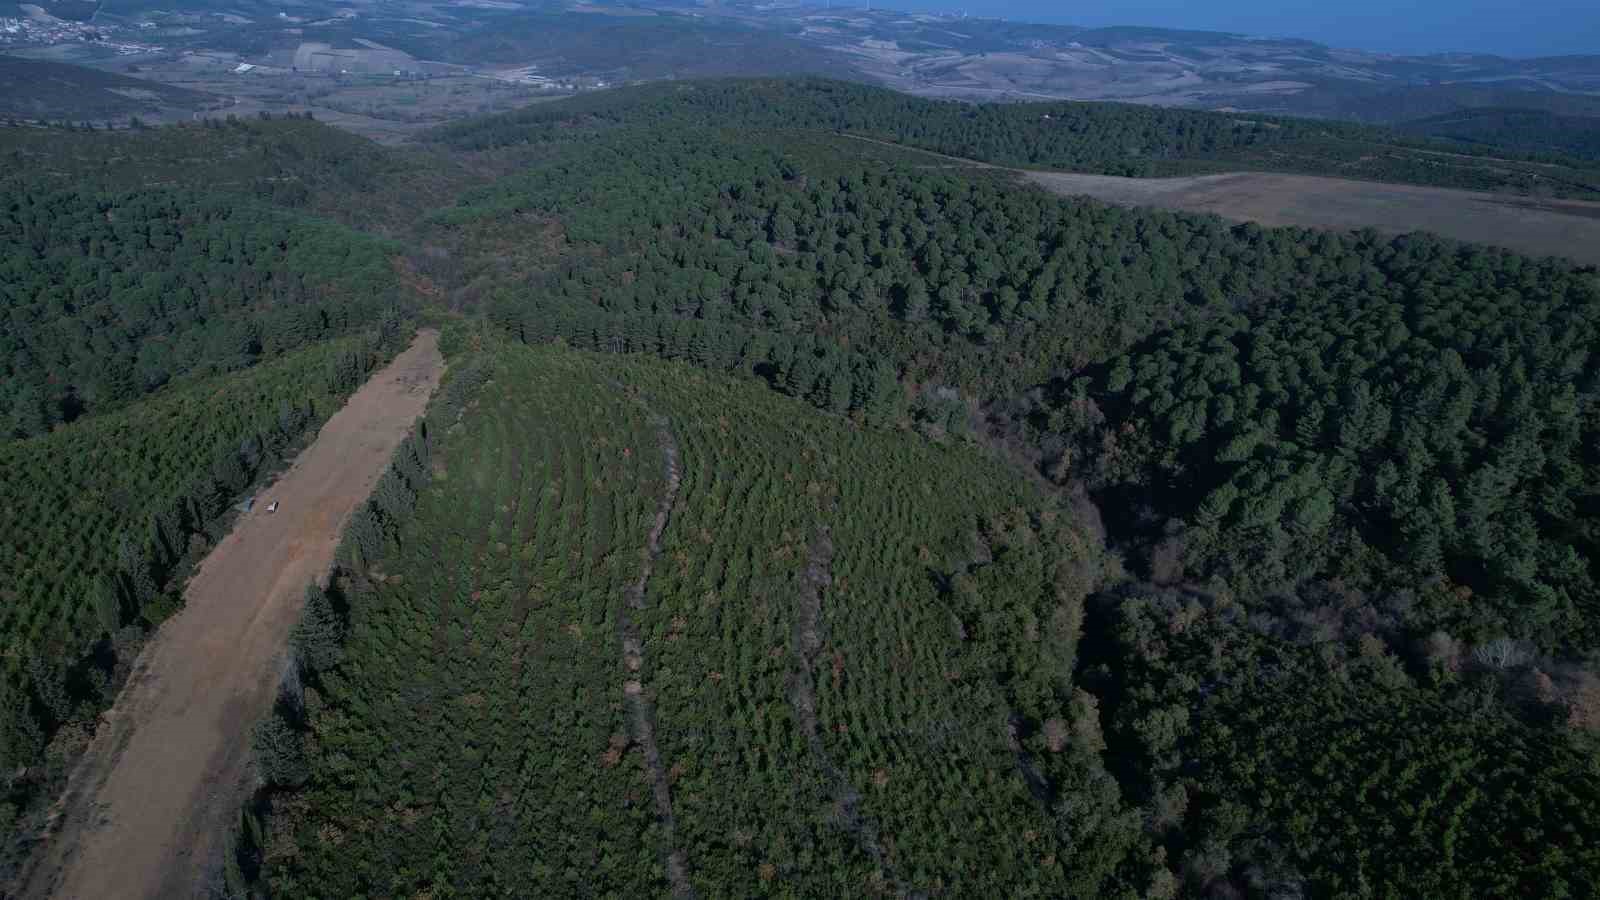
<point x="639" y="703"/>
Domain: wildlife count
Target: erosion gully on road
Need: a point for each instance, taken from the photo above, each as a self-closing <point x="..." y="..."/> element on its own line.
<point x="149" y="806"/>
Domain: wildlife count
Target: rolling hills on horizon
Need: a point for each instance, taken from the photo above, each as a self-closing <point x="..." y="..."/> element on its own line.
<point x="583" y="44"/>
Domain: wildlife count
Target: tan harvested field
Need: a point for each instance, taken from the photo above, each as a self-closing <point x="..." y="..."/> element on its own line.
<point x="1538" y="227"/>
<point x="1530" y="225"/>
<point x="150" y="806"/>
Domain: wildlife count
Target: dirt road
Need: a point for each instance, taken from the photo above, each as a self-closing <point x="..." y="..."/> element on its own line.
<point x="152" y="801"/>
<point x="1530" y="225"/>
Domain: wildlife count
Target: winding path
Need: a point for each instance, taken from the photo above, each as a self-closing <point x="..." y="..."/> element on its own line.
<point x="638" y="697"/>
<point x="149" y="806"/>
<point x="806" y="643"/>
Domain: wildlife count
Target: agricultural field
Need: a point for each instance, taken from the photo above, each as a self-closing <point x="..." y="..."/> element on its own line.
<point x="380" y="107"/>
<point x="36" y="89"/>
<point x="1531" y="225"/>
<point x="651" y="629"/>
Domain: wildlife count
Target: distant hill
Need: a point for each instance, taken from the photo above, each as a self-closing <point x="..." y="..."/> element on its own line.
<point x="1101" y="138"/>
<point x="1529" y="130"/>
<point x="645" y="46"/>
<point x="35" y="89"/>
<point x="993" y="59"/>
<point x="66" y="10"/>
<point x="966" y="58"/>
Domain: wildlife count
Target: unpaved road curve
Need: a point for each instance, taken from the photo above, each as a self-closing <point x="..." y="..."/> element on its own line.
<point x="150" y="805"/>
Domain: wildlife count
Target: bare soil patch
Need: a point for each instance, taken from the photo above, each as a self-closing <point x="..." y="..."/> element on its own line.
<point x="148" y="808"/>
<point x="1535" y="226"/>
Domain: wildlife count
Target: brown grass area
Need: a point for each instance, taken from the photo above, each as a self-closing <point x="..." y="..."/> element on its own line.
<point x="1531" y="225"/>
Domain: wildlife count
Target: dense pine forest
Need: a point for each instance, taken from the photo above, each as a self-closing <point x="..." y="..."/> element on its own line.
<point x="167" y="344"/>
<point x="1106" y="138"/>
<point x="805" y="516"/>
<point x="111" y="296"/>
<point x="1499" y="129"/>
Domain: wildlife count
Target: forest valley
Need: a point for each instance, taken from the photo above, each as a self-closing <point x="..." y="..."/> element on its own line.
<point x="810" y="516"/>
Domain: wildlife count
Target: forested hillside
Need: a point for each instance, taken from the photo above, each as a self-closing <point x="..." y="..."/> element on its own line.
<point x="110" y="296"/>
<point x="1359" y="405"/>
<point x="288" y="161"/>
<point x="38" y="89"/>
<point x="171" y="334"/>
<point x="704" y="639"/>
<point x="1432" y="410"/>
<point x="803" y="515"/>
<point x="1340" y="467"/>
<point x="1527" y="130"/>
<point x="101" y="522"/>
<point x="1107" y="138"/>
<point x="130" y="258"/>
<point x="1293" y="754"/>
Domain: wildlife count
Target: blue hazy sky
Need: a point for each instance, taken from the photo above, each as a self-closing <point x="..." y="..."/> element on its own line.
<point x="1505" y="27"/>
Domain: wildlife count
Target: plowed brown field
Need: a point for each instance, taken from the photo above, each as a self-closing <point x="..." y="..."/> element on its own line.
<point x="1537" y="227"/>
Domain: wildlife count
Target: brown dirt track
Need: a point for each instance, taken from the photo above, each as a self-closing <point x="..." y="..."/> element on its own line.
<point x="1537" y="227"/>
<point x="149" y="806"/>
